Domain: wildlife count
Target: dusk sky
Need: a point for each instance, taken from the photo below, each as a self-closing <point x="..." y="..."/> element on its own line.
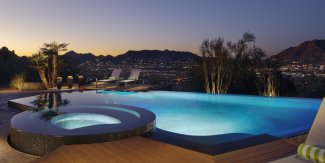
<point x="114" y="27"/>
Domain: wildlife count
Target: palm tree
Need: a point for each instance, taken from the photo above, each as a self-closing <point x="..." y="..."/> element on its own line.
<point x="52" y="50"/>
<point x="39" y="61"/>
<point x="49" y="59"/>
<point x="48" y="105"/>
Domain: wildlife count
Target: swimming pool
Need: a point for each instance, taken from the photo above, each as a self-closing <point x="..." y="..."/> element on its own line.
<point x="200" y="115"/>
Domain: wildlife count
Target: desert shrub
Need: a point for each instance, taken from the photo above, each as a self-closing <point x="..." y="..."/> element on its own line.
<point x="70" y="78"/>
<point x="59" y="79"/>
<point x="17" y="79"/>
<point x="80" y="80"/>
<point x="31" y="86"/>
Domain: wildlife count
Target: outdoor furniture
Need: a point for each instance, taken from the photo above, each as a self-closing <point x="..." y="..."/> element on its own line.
<point x="316" y="136"/>
<point x="134" y="76"/>
<point x="115" y="76"/>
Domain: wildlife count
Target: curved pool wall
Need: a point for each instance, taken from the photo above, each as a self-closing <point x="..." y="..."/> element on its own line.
<point x="203" y="118"/>
<point x="39" y="132"/>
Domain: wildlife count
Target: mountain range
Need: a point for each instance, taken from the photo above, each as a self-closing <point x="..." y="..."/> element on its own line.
<point x="142" y="54"/>
<point x="11" y="64"/>
<point x="308" y="52"/>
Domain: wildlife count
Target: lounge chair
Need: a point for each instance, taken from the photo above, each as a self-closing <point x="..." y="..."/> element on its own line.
<point x="134" y="76"/>
<point x="115" y="76"/>
<point x="316" y="137"/>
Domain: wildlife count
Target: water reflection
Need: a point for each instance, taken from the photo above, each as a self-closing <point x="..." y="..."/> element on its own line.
<point x="48" y="105"/>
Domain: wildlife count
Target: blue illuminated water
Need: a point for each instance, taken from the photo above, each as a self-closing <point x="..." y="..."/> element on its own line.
<point x="199" y="114"/>
<point x="79" y="120"/>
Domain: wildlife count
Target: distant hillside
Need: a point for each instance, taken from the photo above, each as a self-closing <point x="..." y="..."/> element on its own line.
<point x="11" y="64"/>
<point x="79" y="56"/>
<point x="74" y="57"/>
<point x="157" y="54"/>
<point x="77" y="63"/>
<point x="309" y="52"/>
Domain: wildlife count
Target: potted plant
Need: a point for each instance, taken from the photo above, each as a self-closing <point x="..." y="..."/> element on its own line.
<point x="80" y="80"/>
<point x="70" y="81"/>
<point x="59" y="82"/>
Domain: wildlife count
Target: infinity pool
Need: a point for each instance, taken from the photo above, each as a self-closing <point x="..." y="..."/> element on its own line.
<point x="199" y="114"/>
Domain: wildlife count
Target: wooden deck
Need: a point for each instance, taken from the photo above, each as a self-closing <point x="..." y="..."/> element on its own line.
<point x="133" y="150"/>
<point x="260" y="153"/>
<point x="130" y="87"/>
<point x="141" y="150"/>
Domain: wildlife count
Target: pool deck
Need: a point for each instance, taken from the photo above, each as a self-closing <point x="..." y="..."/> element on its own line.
<point x="130" y="87"/>
<point x="137" y="149"/>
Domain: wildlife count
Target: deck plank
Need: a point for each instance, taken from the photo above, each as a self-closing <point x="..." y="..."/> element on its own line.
<point x="96" y="153"/>
<point x="259" y="153"/>
<point x="172" y="152"/>
<point x="142" y="153"/>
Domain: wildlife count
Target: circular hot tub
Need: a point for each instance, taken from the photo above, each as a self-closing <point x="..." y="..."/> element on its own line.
<point x="40" y="132"/>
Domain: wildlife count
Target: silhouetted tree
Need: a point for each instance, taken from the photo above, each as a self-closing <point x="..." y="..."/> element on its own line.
<point x="11" y="64"/>
<point x="49" y="59"/>
<point x="5" y="53"/>
<point x="268" y="81"/>
<point x="246" y="58"/>
<point x="52" y="50"/>
<point x="39" y="61"/>
<point x="217" y="65"/>
<point x="239" y="66"/>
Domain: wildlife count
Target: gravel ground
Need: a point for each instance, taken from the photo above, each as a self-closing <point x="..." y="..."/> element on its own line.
<point x="299" y="138"/>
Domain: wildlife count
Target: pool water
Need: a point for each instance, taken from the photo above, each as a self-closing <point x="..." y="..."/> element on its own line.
<point x="79" y="120"/>
<point x="199" y="114"/>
